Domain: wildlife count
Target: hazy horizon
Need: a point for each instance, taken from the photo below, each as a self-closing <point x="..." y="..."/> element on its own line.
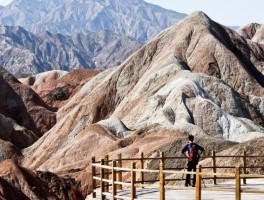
<point x="231" y="13"/>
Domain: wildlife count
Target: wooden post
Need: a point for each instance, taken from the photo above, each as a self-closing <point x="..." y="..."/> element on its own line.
<point x="214" y="165"/>
<point x="141" y="175"/>
<point x="162" y="181"/>
<point x="133" y="181"/>
<point x="238" y="184"/>
<point x="245" y="166"/>
<point x="93" y="180"/>
<point x="163" y="159"/>
<point x="198" y="183"/>
<point x="106" y="176"/>
<point x="101" y="181"/>
<point x="113" y="180"/>
<point x="120" y="172"/>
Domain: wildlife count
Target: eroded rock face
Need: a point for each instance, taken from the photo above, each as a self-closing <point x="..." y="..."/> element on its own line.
<point x="16" y="125"/>
<point x="24" y="117"/>
<point x="253" y="32"/>
<point x="42" y="115"/>
<point x="57" y="87"/>
<point x="197" y="77"/>
<point x="19" y="183"/>
<point x="15" y="133"/>
<point x="9" y="151"/>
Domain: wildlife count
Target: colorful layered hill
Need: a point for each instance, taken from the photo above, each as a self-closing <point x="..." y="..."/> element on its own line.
<point x="197" y="77"/>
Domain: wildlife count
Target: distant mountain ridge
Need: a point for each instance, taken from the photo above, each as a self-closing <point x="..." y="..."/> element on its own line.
<point x="24" y="52"/>
<point x="234" y="27"/>
<point x="134" y="18"/>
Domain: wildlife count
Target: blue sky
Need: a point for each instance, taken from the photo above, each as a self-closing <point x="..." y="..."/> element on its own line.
<point x="227" y="12"/>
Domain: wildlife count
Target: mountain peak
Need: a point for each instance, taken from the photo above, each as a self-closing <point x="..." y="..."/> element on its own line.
<point x="136" y="19"/>
<point x="199" y="15"/>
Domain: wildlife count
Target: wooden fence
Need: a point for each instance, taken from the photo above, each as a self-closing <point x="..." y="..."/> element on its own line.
<point x="109" y="178"/>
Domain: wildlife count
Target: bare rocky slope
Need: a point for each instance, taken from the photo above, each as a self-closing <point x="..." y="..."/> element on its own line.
<point x="198" y="77"/>
<point x="22" y="52"/>
<point x="134" y="18"/>
<point x="19" y="183"/>
<point x="57" y="87"/>
<point x="253" y="32"/>
<point x="24" y="116"/>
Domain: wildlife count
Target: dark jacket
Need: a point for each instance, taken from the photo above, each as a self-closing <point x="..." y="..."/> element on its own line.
<point x="188" y="147"/>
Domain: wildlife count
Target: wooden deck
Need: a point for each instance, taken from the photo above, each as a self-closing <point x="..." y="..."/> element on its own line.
<point x="172" y="194"/>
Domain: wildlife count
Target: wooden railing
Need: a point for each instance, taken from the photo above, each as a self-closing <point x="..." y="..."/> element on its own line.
<point x="108" y="177"/>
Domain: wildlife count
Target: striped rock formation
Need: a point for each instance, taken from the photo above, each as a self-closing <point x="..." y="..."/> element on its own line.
<point x="197" y="77"/>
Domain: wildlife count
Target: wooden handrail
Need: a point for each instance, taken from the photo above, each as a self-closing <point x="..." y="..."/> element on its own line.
<point x="177" y="172"/>
<point x="153" y="171"/>
<point x="111" y="176"/>
<point x="102" y="166"/>
<point x="122" y="183"/>
<point x="251" y="176"/>
<point x="252" y="191"/>
<point x="219" y="189"/>
<point x="216" y="174"/>
<point x="182" y="157"/>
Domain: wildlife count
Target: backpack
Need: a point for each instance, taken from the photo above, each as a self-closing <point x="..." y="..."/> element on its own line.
<point x="193" y="153"/>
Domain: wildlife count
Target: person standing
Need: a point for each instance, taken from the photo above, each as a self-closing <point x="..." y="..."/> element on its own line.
<point x="194" y="150"/>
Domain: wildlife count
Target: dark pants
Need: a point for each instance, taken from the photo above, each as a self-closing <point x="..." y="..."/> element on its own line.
<point x="191" y="167"/>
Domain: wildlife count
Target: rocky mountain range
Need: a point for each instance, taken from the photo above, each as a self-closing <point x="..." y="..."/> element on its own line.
<point x="253" y="32"/>
<point x="22" y="52"/>
<point x="133" y="18"/>
<point x="197" y="77"/>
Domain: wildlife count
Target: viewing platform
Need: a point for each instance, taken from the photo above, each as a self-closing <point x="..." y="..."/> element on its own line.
<point x="113" y="179"/>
